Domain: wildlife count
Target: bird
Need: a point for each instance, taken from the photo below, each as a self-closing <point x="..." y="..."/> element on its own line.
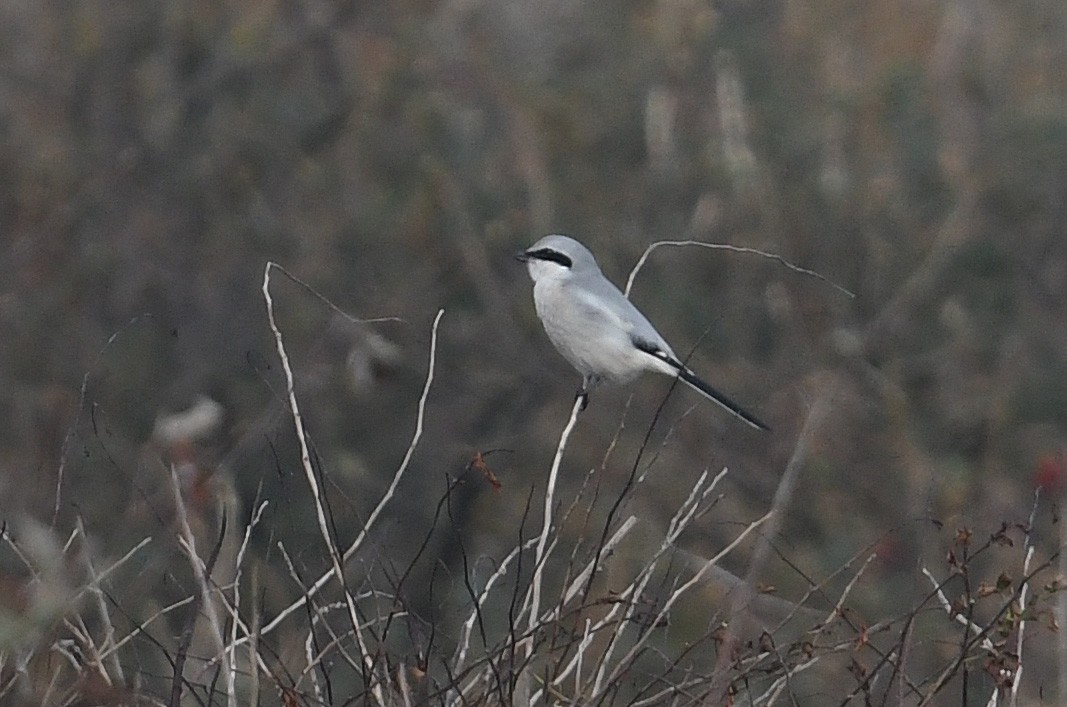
<point x="597" y="329"/>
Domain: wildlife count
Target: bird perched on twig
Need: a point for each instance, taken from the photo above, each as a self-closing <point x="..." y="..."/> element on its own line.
<point x="597" y="329"/>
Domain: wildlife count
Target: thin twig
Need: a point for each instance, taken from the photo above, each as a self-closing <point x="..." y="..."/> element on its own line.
<point x="540" y="556"/>
<point x="626" y="661"/>
<point x="202" y="573"/>
<point x="101" y="607"/>
<point x="316" y="492"/>
<point x="468" y="625"/>
<point x="65" y="447"/>
<point x="965" y="649"/>
<point x="957" y="616"/>
<point x="681" y="520"/>
<point x="257" y="515"/>
<point x="325" y="300"/>
<point x="316" y="586"/>
<point x="739" y="604"/>
<point x="1028" y="550"/>
<point x="735" y="249"/>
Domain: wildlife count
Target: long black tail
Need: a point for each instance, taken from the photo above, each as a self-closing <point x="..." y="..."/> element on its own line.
<point x="715" y="396"/>
<point x="653" y="349"/>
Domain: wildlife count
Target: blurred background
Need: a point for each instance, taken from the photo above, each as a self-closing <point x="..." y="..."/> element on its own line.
<point x="394" y="156"/>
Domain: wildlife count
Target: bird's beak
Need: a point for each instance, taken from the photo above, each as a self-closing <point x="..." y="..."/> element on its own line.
<point x="522" y="257"/>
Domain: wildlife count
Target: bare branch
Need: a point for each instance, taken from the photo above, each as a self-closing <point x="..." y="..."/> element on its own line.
<point x="735" y="249"/>
<point x="335" y="570"/>
<point x="540" y="555"/>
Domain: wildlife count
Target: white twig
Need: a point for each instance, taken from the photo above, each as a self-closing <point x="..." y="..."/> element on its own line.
<point x="735" y="249"/>
<point x="318" y="611"/>
<point x="143" y="625"/>
<point x="316" y="492"/>
<point x="10" y="540"/>
<point x="188" y="543"/>
<point x="782" y="682"/>
<point x="236" y="607"/>
<point x="334" y="571"/>
<point x="1061" y="609"/>
<point x="318" y="617"/>
<point x="1028" y="548"/>
<point x="848" y="589"/>
<point x="415" y="437"/>
<point x="587" y="638"/>
<point x="689" y="509"/>
<point x="253" y="642"/>
<point x="957" y="616"/>
<point x="92" y="653"/>
<point x="582" y="578"/>
<point x="625" y="662"/>
<point x="101" y="607"/>
<point x="540" y="556"/>
<point x="118" y="563"/>
<point x="681" y="520"/>
<point x="459" y="663"/>
<point x="575" y="587"/>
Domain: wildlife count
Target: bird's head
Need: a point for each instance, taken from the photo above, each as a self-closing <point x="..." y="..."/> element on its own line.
<point x="557" y="258"/>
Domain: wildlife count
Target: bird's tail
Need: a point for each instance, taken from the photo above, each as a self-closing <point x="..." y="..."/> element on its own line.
<point x="715" y="396"/>
<point x="661" y="353"/>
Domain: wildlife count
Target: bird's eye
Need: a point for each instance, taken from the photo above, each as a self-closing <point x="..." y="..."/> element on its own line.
<point x="553" y="255"/>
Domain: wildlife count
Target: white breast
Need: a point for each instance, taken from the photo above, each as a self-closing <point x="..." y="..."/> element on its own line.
<point x="596" y="341"/>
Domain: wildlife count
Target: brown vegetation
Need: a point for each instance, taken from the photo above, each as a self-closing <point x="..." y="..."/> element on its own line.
<point x="173" y="529"/>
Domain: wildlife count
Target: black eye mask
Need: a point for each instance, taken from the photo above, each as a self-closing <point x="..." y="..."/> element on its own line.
<point x="553" y="255"/>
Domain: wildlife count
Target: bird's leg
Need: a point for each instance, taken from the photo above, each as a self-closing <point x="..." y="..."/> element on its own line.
<point x="588" y="383"/>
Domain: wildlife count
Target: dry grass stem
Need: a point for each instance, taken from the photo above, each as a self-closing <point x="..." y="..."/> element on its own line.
<point x="735" y="249"/>
<point x="541" y="555"/>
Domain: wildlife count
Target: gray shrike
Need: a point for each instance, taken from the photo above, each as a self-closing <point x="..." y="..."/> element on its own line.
<point x="597" y="329"/>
